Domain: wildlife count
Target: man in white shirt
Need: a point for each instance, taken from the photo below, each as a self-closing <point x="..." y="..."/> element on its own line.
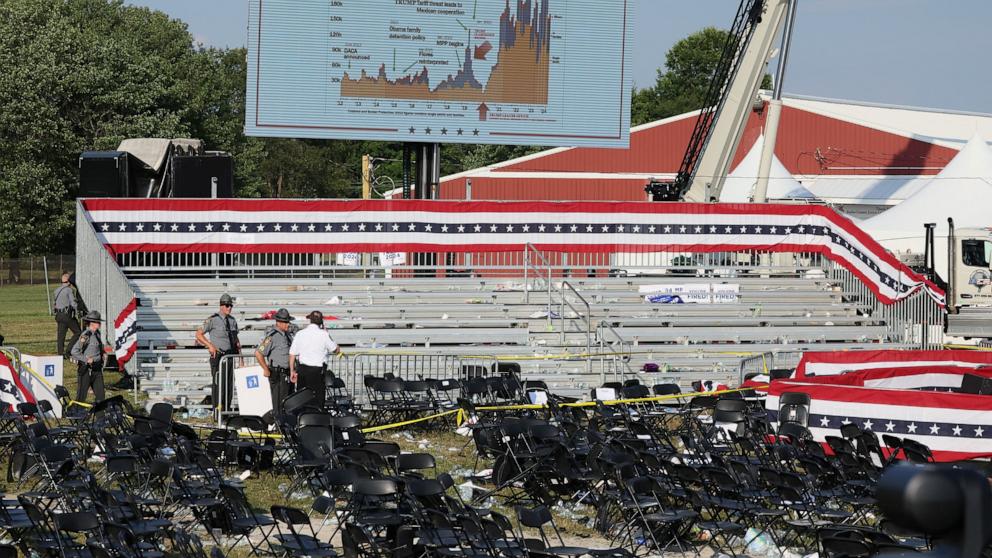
<point x="308" y="357"/>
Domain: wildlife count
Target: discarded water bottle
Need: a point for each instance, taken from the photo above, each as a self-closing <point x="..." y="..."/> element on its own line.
<point x="759" y="543"/>
<point x="465" y="491"/>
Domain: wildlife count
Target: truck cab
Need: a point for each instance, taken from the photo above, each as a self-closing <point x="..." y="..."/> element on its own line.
<point x="969" y="296"/>
<point x="972" y="270"/>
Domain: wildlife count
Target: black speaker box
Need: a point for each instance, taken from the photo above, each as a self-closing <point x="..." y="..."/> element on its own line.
<point x="976" y="385"/>
<point x="193" y="177"/>
<point x="104" y="174"/>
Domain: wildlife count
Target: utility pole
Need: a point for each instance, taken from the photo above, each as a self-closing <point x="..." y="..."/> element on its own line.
<point x="366" y="177"/>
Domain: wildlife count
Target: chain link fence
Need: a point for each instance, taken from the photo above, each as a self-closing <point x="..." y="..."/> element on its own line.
<point x="32" y="270"/>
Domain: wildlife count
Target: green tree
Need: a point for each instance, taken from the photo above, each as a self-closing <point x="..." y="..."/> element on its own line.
<point x="681" y="86"/>
<point x="78" y="75"/>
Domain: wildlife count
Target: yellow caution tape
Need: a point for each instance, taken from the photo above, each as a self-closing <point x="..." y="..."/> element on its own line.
<point x="460" y="418"/>
<point x="408" y="422"/>
<point x="969" y="348"/>
<point x="613" y="401"/>
<point x="363" y="431"/>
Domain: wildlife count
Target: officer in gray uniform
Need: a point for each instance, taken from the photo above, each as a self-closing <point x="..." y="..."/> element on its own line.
<point x="88" y="353"/>
<point x="219" y="334"/>
<point x="66" y="308"/>
<point x="273" y="356"/>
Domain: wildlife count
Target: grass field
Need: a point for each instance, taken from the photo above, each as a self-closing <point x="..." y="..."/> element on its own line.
<point x="24" y="319"/>
<point x="26" y="324"/>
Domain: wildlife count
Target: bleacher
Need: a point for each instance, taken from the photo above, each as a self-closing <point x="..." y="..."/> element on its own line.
<point x="496" y="317"/>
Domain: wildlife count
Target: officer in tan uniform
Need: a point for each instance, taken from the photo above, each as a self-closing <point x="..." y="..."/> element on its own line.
<point x="66" y="311"/>
<point x="273" y="356"/>
<point x="219" y="334"/>
<point x="88" y="352"/>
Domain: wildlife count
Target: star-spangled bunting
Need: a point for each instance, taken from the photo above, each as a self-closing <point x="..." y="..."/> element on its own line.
<point x="898" y="427"/>
<point x="396" y="226"/>
<point x="911" y="395"/>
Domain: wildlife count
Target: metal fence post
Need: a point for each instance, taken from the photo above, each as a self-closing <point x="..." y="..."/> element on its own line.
<point x="48" y="290"/>
<point x="526" y="272"/>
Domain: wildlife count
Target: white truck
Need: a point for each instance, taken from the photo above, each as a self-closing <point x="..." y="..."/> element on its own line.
<point x="969" y="282"/>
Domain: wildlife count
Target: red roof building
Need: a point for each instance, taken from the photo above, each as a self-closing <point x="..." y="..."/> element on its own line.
<point x="859" y="156"/>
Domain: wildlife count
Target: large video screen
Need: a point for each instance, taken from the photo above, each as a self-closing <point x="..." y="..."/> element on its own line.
<point x="536" y="72"/>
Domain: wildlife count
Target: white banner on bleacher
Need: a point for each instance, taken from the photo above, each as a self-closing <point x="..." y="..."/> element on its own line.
<point x="726" y="293"/>
<point x="391" y="259"/>
<point x="691" y="293"/>
<point x="348" y="259"/>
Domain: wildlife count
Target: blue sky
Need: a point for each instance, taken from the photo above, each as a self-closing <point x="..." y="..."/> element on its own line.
<point x="930" y="53"/>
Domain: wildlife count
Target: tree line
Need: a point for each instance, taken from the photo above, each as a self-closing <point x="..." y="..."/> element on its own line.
<point x="80" y="75"/>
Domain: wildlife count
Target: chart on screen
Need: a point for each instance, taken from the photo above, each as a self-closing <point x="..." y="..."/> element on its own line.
<point x="540" y="72"/>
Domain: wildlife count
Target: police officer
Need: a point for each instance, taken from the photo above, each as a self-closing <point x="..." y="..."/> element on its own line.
<point x="273" y="356"/>
<point x="66" y="309"/>
<point x="88" y="352"/>
<point x="308" y="357"/>
<point x="219" y="334"/>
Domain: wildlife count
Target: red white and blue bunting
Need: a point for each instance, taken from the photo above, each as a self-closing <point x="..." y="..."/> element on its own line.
<point x="832" y="363"/>
<point x="126" y="333"/>
<point x="12" y="389"/>
<point x="911" y="402"/>
<point x="326" y="226"/>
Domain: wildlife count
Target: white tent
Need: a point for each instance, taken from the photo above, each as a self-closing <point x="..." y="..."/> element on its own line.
<point x="963" y="190"/>
<point x="739" y="186"/>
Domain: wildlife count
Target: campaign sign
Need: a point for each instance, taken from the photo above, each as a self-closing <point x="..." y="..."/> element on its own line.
<point x="392" y="259"/>
<point x="348" y="259"/>
<point x="252" y="390"/>
<point x="44" y="370"/>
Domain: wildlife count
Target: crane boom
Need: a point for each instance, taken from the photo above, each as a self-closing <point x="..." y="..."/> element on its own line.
<point x="730" y="96"/>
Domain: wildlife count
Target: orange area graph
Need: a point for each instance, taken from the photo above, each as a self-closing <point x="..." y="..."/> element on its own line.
<point x="520" y="75"/>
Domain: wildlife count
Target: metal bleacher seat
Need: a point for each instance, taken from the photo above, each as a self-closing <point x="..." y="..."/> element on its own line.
<point x="472" y="316"/>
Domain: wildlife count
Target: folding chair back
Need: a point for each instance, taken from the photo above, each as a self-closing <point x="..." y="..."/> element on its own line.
<point x="667" y="389"/>
<point x="315" y="442"/>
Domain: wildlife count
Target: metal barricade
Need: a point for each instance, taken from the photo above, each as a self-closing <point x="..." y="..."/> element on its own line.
<point x="764" y="363"/>
<point x="339" y="367"/>
<point x="758" y="364"/>
<point x="786" y="359"/>
<point x="413" y="366"/>
<point x="916" y="321"/>
<point x="13" y="353"/>
<point x="225" y="374"/>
